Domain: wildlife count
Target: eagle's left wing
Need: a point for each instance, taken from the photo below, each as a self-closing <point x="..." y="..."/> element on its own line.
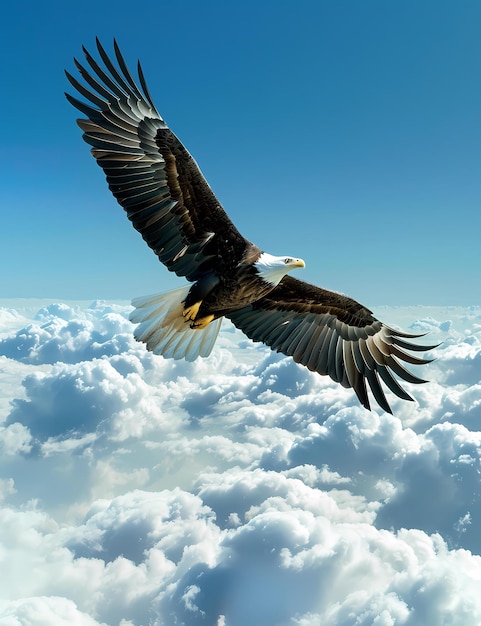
<point x="332" y="334"/>
<point x="151" y="174"/>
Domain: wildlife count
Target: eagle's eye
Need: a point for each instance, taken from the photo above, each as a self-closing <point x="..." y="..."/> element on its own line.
<point x="287" y="260"/>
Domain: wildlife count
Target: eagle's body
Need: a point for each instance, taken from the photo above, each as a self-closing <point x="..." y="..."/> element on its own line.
<point x="244" y="284"/>
<point x="169" y="202"/>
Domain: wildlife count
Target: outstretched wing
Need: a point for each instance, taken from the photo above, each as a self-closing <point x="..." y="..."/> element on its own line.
<point x="334" y="335"/>
<point x="151" y="174"/>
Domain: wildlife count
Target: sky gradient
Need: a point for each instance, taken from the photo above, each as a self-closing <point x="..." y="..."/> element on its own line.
<point x="346" y="133"/>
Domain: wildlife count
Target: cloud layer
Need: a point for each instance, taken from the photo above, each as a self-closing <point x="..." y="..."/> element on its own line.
<point x="241" y="489"/>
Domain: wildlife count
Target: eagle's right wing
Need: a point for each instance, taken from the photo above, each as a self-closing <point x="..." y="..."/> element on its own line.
<point x="333" y="335"/>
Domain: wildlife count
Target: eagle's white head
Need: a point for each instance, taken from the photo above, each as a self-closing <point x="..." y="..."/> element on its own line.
<point x="273" y="268"/>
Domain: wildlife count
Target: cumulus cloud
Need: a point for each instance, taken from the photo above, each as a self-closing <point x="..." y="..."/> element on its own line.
<point x="241" y="489"/>
<point x="43" y="611"/>
<point x="62" y="333"/>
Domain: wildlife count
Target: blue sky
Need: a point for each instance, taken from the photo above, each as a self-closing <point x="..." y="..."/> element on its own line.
<point x="347" y="133"/>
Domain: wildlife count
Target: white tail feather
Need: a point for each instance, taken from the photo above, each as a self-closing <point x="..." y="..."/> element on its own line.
<point x="164" y="330"/>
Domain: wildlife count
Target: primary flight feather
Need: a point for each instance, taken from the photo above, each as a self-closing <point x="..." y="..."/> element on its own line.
<point x="171" y="205"/>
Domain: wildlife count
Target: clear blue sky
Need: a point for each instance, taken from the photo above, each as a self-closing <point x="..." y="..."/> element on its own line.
<point x="344" y="132"/>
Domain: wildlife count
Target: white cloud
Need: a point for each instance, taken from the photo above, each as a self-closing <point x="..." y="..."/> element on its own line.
<point x="45" y="611"/>
<point x="241" y="489"/>
<point x="60" y="333"/>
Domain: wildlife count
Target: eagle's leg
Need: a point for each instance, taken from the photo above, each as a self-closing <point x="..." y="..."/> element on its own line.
<point x="197" y="293"/>
<point x="202" y="322"/>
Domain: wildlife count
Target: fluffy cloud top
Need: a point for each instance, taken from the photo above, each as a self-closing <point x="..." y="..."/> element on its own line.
<point x="241" y="489"/>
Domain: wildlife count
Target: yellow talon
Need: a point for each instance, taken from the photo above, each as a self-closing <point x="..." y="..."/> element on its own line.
<point x="190" y="312"/>
<point x="202" y="322"/>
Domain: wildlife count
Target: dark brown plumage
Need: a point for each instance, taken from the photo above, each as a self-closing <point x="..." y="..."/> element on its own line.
<point x="170" y="204"/>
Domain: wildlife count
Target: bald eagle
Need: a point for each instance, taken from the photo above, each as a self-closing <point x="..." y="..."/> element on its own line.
<point x="171" y="205"/>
